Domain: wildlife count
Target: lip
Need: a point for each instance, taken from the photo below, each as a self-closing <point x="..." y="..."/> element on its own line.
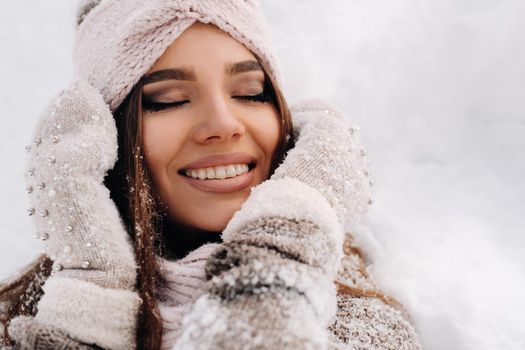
<point x="219" y="159"/>
<point x="223" y="185"/>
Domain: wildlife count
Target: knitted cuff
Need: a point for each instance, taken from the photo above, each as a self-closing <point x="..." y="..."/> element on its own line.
<point x="106" y="317"/>
<point x="311" y="232"/>
<point x="32" y="335"/>
<point x="244" y="269"/>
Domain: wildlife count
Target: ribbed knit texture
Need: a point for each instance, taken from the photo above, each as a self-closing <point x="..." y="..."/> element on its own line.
<point x="181" y="280"/>
<point x="118" y="41"/>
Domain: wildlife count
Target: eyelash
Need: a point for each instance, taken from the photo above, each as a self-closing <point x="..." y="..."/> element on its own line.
<point x="157" y="106"/>
<point x="263" y="97"/>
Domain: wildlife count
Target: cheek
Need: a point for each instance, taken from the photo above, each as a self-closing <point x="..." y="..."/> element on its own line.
<point x="163" y="139"/>
<point x="267" y="130"/>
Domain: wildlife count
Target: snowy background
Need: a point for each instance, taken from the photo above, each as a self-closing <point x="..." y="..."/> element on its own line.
<point x="438" y="89"/>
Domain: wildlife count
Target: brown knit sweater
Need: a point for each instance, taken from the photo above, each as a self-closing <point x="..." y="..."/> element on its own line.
<point x="366" y="318"/>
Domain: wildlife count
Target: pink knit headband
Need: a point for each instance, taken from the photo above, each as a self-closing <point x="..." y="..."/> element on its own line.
<point x="118" y="41"/>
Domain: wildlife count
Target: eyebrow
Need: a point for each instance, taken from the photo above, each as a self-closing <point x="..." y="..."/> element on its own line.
<point x="243" y="67"/>
<point x="187" y="74"/>
<point x="170" y="74"/>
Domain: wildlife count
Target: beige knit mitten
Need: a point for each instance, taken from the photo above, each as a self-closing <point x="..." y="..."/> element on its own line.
<point x="271" y="282"/>
<point x="91" y="293"/>
<point x="330" y="157"/>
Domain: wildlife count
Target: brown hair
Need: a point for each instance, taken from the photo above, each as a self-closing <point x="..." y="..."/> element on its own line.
<point x="352" y="250"/>
<point x="17" y="296"/>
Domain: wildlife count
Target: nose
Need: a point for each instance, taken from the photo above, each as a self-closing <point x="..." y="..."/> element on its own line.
<point x="219" y="122"/>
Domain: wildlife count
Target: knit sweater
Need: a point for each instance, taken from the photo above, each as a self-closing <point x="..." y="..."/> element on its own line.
<point x="365" y="319"/>
<point x="180" y="282"/>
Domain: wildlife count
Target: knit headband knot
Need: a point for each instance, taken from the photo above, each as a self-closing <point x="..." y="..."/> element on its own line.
<point x="118" y="41"/>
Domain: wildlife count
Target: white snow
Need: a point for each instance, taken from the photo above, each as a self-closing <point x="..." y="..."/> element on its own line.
<point x="437" y="88"/>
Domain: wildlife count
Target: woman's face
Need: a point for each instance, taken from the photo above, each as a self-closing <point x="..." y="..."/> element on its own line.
<point x="210" y="129"/>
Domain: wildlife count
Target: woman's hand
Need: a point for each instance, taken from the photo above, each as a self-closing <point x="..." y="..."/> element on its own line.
<point x="326" y="173"/>
<point x="90" y="294"/>
<point x="329" y="156"/>
<point x="75" y="145"/>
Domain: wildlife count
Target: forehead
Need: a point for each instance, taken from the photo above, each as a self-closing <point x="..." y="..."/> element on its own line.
<point x="202" y="46"/>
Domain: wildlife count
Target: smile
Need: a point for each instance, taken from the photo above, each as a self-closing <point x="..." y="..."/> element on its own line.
<point x="219" y="172"/>
<point x="220" y="179"/>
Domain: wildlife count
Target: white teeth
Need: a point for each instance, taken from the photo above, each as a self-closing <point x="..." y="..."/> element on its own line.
<point x="218" y="172"/>
<point x="230" y="171"/>
<point x="210" y="173"/>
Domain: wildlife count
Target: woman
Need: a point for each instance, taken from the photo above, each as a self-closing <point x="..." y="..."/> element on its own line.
<point x="217" y="225"/>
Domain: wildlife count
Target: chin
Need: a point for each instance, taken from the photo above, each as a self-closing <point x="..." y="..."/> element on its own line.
<point x="212" y="219"/>
<point x="215" y="225"/>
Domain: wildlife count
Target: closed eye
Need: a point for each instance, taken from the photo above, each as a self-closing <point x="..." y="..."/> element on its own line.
<point x="160" y="106"/>
<point x="266" y="96"/>
<point x="262" y="97"/>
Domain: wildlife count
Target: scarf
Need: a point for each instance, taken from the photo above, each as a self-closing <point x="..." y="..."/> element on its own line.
<point x="180" y="282"/>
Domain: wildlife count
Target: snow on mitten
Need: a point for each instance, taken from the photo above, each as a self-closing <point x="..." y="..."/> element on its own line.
<point x="330" y="157"/>
<point x="91" y="292"/>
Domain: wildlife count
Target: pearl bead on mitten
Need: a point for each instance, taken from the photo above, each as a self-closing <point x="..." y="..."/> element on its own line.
<point x="94" y="266"/>
<point x="271" y="282"/>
